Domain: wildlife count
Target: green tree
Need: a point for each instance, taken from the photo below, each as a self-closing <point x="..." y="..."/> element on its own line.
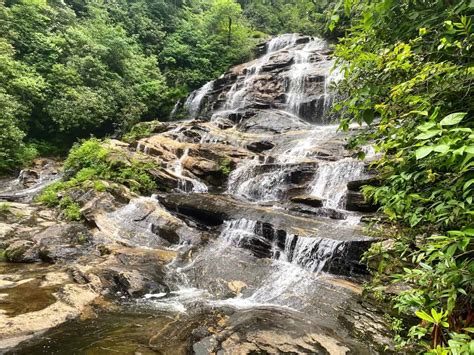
<point x="408" y="74"/>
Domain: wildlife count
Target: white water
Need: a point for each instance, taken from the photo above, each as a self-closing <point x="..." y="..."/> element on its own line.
<point x="281" y="42"/>
<point x="175" y="110"/>
<point x="311" y="253"/>
<point x="299" y="73"/>
<point x="246" y="182"/>
<point x="236" y="97"/>
<point x="332" y="178"/>
<point x="17" y="190"/>
<point x="194" y="101"/>
<point x="184" y="181"/>
<point x="292" y="272"/>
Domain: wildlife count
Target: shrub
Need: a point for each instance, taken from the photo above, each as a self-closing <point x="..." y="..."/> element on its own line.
<point x="91" y="163"/>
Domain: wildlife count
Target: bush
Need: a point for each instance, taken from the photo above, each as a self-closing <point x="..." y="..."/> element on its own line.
<point x="410" y="83"/>
<point x="88" y="165"/>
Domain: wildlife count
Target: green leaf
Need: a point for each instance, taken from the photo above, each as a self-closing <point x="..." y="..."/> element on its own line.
<point x="470" y="149"/>
<point x="425" y="316"/>
<point x="428" y="134"/>
<point x="368" y="116"/>
<point x="468" y="184"/>
<point x="436" y="316"/>
<point x="469" y="232"/>
<point x="453" y="119"/>
<point x="423" y="152"/>
<point x="442" y="148"/>
<point x="426" y="126"/>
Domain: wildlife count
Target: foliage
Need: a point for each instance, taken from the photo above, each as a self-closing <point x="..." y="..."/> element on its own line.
<point x="411" y="83"/>
<point x="283" y="16"/>
<point x="69" y="69"/>
<point x="225" y="166"/>
<point x="209" y="36"/>
<point x="92" y="164"/>
<point x="4" y="208"/>
<point x="141" y="130"/>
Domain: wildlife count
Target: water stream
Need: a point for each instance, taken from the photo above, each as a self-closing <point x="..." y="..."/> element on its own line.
<point x="194" y="102"/>
<point x="251" y="268"/>
<point x="187" y="184"/>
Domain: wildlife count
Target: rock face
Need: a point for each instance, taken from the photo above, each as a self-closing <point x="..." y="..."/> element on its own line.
<point x="252" y="209"/>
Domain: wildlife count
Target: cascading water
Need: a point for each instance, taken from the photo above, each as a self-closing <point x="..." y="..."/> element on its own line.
<point x="281" y="42"/>
<point x="246" y="181"/>
<point x="332" y="178"/>
<point x="194" y="101"/>
<point x="187" y="184"/>
<point x="311" y="253"/>
<point x="236" y="98"/>
<point x="299" y="73"/>
<point x="220" y="254"/>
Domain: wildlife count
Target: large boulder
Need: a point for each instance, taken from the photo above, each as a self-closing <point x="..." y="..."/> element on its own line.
<point x="22" y="251"/>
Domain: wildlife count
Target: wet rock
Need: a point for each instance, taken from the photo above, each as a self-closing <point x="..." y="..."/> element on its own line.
<point x="134" y="271"/>
<point x="71" y="300"/>
<point x="143" y="223"/>
<point x="133" y="283"/>
<point x="272" y="228"/>
<point x="202" y="161"/>
<point x="317" y="211"/>
<point x="258" y="331"/>
<point x="22" y="251"/>
<point x="63" y="242"/>
<point x="271" y="121"/>
<point x="28" y="177"/>
<point x="308" y="200"/>
<point x="215" y="209"/>
<point x="355" y="201"/>
<point x="94" y="202"/>
<point x="260" y="146"/>
<point x="5" y="231"/>
<point x="31" y="182"/>
<point x="357" y="184"/>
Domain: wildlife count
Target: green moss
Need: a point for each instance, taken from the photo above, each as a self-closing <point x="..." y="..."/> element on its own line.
<point x="2" y="255"/>
<point x="225" y="166"/>
<point x="99" y="186"/>
<point x="4" y="208"/>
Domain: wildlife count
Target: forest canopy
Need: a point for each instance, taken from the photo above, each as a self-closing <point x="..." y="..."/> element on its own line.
<point x="79" y="67"/>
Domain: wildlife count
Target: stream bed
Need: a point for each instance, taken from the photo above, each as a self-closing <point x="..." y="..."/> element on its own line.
<point x="251" y="243"/>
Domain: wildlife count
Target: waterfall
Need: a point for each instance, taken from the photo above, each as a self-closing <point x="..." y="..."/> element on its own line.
<point x="298" y="73"/>
<point x="334" y="76"/>
<point x="237" y="231"/>
<point x="194" y="101"/>
<point x="184" y="182"/>
<point x="247" y="181"/>
<point x="311" y="253"/>
<point x="236" y="97"/>
<point x="175" y="109"/>
<point x="314" y="253"/>
<point x="332" y="178"/>
<point x="305" y="146"/>
<point x="281" y="42"/>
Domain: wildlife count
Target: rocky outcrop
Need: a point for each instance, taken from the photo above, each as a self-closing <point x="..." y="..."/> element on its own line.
<point x="235" y="236"/>
<point x="308" y="200"/>
<point x="355" y="199"/>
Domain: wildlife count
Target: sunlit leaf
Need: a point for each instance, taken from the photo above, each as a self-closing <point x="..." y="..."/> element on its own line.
<point x="423" y="152"/>
<point x="453" y="119"/>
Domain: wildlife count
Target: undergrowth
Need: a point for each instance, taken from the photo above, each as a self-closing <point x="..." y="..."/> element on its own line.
<point x="92" y="164"/>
